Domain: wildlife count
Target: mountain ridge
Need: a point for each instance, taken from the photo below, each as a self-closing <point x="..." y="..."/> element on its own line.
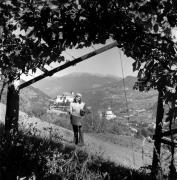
<point x="76" y="82"/>
<point x="101" y="93"/>
<point x="98" y="95"/>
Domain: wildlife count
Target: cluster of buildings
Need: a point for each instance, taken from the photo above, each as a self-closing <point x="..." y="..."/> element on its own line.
<point x="67" y="97"/>
<point x="109" y="115"/>
<point x="64" y="98"/>
<point x="62" y="102"/>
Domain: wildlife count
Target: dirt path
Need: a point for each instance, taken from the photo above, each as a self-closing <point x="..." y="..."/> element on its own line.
<point x="122" y="151"/>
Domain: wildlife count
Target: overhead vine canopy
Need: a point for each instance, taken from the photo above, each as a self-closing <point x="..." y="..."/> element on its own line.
<point x="31" y="35"/>
<point x="143" y="29"/>
<point x="43" y="29"/>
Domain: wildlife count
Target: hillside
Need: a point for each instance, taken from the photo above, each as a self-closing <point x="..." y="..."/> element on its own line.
<point x="110" y="94"/>
<point x="118" y="151"/>
<point x="117" y="148"/>
<point x="101" y="92"/>
<point x="141" y="105"/>
<point x="76" y="82"/>
<point x="31" y="99"/>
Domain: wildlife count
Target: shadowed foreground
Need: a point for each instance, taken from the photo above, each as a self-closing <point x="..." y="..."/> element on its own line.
<point x="29" y="156"/>
<point x="43" y="150"/>
<point x="120" y="152"/>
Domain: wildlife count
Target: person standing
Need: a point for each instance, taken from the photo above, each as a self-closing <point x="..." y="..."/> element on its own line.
<point x="77" y="112"/>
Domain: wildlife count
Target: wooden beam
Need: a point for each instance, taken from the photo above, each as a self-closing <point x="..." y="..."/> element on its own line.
<point x="168" y="141"/>
<point x="68" y="64"/>
<point x="43" y="69"/>
<point x="168" y="133"/>
<point x="156" y="169"/>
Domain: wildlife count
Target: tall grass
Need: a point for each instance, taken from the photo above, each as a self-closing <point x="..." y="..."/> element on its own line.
<point x="29" y="156"/>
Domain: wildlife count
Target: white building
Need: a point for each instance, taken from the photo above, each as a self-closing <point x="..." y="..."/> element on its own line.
<point x="109" y="114"/>
<point x="65" y="97"/>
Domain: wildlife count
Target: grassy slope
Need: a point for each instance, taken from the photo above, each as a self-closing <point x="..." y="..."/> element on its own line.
<point x="47" y="160"/>
<point x="119" y="151"/>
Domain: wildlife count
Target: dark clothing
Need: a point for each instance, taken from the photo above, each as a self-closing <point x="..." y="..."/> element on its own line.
<point x="77" y="112"/>
<point x="76" y="120"/>
<point x="78" y="135"/>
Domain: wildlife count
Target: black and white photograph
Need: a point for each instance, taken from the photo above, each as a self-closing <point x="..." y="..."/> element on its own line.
<point x="88" y="90"/>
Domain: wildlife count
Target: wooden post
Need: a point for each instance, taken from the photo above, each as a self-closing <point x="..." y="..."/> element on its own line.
<point x="156" y="168"/>
<point x="172" y="174"/>
<point x="12" y="109"/>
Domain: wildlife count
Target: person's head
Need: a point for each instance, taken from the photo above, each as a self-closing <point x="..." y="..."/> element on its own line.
<point x="78" y="97"/>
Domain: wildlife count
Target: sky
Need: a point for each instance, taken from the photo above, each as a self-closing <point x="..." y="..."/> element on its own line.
<point x="106" y="63"/>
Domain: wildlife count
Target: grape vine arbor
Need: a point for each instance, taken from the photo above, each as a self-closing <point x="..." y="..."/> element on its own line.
<point x="141" y="29"/>
<point x="11" y="120"/>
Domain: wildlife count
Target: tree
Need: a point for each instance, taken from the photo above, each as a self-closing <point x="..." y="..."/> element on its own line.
<point x="142" y="29"/>
<point x="32" y="34"/>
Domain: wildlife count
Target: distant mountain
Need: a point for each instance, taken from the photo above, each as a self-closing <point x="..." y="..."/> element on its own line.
<point x="76" y="82"/>
<point x="129" y="82"/>
<point x="99" y="92"/>
<point x="112" y="94"/>
<point x="123" y="101"/>
<point x="102" y="92"/>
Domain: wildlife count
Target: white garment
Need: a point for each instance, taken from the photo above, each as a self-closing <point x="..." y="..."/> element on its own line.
<point x="75" y="108"/>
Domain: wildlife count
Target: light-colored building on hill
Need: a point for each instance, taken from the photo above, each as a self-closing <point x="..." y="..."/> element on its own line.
<point x="62" y="102"/>
<point x="109" y="114"/>
<point x="65" y="97"/>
